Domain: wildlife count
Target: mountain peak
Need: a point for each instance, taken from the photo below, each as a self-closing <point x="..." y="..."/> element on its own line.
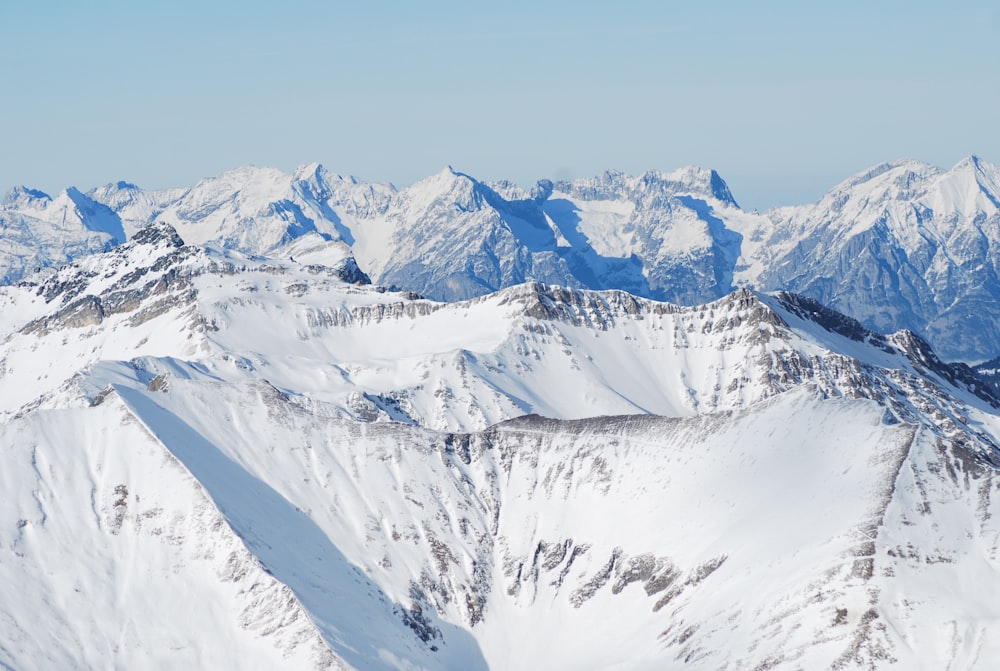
<point x="875" y="176"/>
<point x="449" y="172"/>
<point x="971" y="161"/>
<point x="703" y="181"/>
<point x="984" y="172"/>
<point x="154" y="233"/>
<point x="22" y="195"/>
<point x="720" y="189"/>
<point x="447" y="181"/>
<point x="971" y="186"/>
<point x="313" y="172"/>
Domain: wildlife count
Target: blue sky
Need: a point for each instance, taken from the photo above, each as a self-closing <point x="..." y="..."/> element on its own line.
<point x="783" y="99"/>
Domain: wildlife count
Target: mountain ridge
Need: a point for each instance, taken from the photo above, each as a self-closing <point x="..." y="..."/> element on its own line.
<point x="902" y="245"/>
<point x="354" y="477"/>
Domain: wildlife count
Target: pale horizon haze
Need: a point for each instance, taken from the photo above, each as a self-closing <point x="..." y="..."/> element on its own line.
<point x="783" y="99"/>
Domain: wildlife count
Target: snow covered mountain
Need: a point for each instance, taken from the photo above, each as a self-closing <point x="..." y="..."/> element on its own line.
<point x="903" y="245"/>
<point x="38" y="231"/>
<point x="216" y="459"/>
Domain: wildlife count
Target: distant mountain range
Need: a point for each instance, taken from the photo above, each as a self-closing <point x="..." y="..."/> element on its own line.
<point x="903" y="245"/>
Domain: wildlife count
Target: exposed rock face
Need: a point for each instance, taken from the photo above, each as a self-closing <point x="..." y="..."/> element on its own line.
<point x="131" y="289"/>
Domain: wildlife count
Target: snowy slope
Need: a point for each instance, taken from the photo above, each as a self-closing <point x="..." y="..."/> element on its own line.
<point x="114" y="555"/>
<point x="349" y="476"/>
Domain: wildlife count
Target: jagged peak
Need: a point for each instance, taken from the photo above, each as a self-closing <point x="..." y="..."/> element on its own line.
<point x="744" y="311"/>
<point x="741" y="296"/>
<point x="22" y="194"/>
<point x="445" y="176"/>
<point x="740" y="308"/>
<point x="971" y="186"/>
<point x="973" y="162"/>
<point x="448" y="185"/>
<point x="986" y="174"/>
<point x="749" y="307"/>
<point x="721" y="190"/>
<point x="597" y="309"/>
<point x="705" y="181"/>
<point x="120" y="191"/>
<point x="449" y="174"/>
<point x="114" y="187"/>
<point x="317" y="174"/>
<point x="314" y="170"/>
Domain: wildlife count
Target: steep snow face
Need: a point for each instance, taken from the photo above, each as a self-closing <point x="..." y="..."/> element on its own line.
<point x="114" y="554"/>
<point x="773" y="535"/>
<point x="37" y="231"/>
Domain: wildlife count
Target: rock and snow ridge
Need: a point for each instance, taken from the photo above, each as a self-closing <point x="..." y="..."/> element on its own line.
<point x="359" y="478"/>
<point x="903" y="245"/>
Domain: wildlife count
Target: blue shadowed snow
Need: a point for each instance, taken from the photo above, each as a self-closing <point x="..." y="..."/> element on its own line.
<point x="359" y="622"/>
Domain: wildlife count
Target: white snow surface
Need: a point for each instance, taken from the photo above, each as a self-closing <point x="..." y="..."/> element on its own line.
<point x="219" y="460"/>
